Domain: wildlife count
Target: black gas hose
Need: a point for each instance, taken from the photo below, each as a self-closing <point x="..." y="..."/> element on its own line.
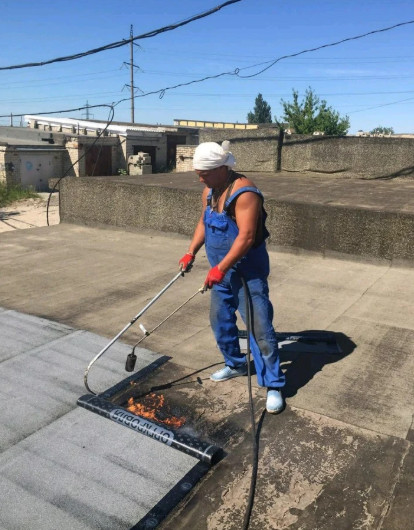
<point x="255" y="462"/>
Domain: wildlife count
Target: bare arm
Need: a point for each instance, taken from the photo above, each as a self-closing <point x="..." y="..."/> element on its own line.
<point x="247" y="212"/>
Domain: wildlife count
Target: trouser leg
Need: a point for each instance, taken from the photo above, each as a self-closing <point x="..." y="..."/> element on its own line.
<point x="223" y="323"/>
<point x="263" y="340"/>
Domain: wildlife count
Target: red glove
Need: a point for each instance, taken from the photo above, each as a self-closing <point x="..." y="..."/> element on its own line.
<point x="215" y="275"/>
<point x="186" y="261"/>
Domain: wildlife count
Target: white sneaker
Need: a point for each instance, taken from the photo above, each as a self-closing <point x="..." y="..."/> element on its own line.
<point x="228" y="373"/>
<point x="274" y="401"/>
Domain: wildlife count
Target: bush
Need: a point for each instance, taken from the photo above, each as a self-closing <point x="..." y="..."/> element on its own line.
<point x="9" y="194"/>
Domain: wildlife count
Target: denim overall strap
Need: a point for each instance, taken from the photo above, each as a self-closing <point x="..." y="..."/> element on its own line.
<point x="239" y="192"/>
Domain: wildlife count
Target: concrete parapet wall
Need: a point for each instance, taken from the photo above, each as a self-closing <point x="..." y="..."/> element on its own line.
<point x="254" y="150"/>
<point x="95" y="201"/>
<point x="265" y="150"/>
<point x="358" y="232"/>
<point x="349" y="156"/>
<point x="351" y="231"/>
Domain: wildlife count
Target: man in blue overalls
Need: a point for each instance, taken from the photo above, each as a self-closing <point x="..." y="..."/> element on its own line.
<point x="232" y="227"/>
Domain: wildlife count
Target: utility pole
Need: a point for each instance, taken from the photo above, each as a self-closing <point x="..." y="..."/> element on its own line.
<point x="87" y="114"/>
<point x="131" y="34"/>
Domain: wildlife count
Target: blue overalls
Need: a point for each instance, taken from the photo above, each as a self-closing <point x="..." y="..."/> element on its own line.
<point x="228" y="296"/>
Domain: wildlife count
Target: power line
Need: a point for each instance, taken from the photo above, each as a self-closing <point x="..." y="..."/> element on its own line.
<point x="248" y="58"/>
<point x="233" y="95"/>
<point x="61" y="96"/>
<point x="66" y="173"/>
<point x="90" y="76"/>
<point x="382" y="105"/>
<point x="115" y="71"/>
<point x="321" y="78"/>
<point x="336" y="43"/>
<point x="236" y="72"/>
<point x="161" y="92"/>
<point x="106" y="105"/>
<point x="123" y="42"/>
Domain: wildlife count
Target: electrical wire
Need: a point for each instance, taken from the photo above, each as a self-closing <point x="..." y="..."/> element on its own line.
<point x="58" y="111"/>
<point x="382" y="105"/>
<point x="57" y="80"/>
<point x="96" y="159"/>
<point x="235" y="72"/>
<point x="336" y="43"/>
<point x="123" y="42"/>
<point x="109" y="121"/>
<point x="162" y="91"/>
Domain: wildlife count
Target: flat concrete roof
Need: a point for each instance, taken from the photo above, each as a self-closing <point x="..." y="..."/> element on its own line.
<point x="393" y="195"/>
<point x="340" y="456"/>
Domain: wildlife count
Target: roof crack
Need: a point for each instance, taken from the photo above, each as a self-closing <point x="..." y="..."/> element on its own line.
<point x="388" y="501"/>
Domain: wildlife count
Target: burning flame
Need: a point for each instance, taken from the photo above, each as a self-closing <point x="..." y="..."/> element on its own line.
<point x="150" y="407"/>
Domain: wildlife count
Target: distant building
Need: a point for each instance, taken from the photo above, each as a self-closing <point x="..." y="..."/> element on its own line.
<point x="51" y="147"/>
<point x="215" y="124"/>
<point x="30" y="158"/>
<point x="363" y="133"/>
<point x="119" y="141"/>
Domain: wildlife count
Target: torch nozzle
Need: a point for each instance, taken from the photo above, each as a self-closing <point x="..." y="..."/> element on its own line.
<point x="144" y="331"/>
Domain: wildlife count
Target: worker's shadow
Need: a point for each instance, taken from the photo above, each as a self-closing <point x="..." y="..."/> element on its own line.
<point x="302" y="358"/>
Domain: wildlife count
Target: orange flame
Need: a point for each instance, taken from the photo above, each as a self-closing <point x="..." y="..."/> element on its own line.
<point x="149" y="408"/>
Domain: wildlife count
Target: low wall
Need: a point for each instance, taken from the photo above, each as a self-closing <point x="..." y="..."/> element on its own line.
<point x="132" y="205"/>
<point x="265" y="150"/>
<point x="349" y="156"/>
<point x="254" y="150"/>
<point x="355" y="232"/>
<point x="95" y="201"/>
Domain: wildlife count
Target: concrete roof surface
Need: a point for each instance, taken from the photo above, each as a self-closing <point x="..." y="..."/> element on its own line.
<point x="66" y="467"/>
<point x="392" y="195"/>
<point x="339" y="457"/>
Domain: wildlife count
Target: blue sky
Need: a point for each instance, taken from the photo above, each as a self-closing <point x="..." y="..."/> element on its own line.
<point x="370" y="80"/>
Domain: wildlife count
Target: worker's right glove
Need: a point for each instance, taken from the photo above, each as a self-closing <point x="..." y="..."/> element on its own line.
<point x="186" y="262"/>
<point x="214" y="276"/>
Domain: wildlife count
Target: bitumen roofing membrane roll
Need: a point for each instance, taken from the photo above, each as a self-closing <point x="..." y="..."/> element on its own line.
<point x="149" y="405"/>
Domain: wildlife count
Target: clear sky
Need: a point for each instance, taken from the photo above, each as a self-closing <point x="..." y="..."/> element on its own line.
<point x="370" y="80"/>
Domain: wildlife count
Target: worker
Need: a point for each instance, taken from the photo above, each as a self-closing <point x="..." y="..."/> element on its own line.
<point x="232" y="227"/>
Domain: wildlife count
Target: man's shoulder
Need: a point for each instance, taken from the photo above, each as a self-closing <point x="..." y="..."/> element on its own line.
<point x="241" y="181"/>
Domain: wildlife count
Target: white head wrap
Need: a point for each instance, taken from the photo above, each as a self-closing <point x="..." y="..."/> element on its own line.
<point x="210" y="155"/>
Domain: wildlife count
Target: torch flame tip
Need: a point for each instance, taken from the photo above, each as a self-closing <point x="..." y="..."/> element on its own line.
<point x="150" y="406"/>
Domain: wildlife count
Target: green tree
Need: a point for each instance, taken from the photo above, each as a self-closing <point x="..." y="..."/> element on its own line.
<point x="313" y="114"/>
<point x="261" y="112"/>
<point x="382" y="130"/>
